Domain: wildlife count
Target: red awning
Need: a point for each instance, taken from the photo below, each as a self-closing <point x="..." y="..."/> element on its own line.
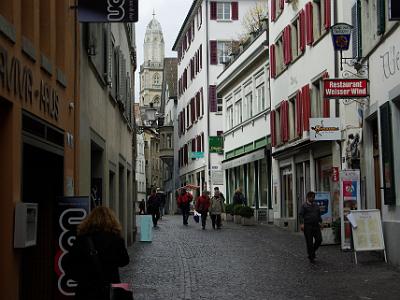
<point x="190" y="187"/>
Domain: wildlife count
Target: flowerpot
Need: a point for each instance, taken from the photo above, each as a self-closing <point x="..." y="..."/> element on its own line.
<point x="229" y="217"/>
<point x="249" y="221"/>
<point x="237" y="219"/>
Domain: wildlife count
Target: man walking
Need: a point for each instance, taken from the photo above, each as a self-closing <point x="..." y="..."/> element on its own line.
<point x="153" y="207"/>
<point x="310" y="219"/>
<point x="161" y="199"/>
<point x="216" y="209"/>
<point x="184" y="200"/>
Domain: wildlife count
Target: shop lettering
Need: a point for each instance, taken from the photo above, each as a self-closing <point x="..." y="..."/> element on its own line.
<point x="49" y="100"/>
<point x="116" y="11"/>
<point x="391" y="62"/>
<point x="14" y="78"/>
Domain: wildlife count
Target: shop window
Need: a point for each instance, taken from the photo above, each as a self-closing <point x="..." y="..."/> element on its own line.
<point x="263" y="195"/>
<point x="279" y="55"/>
<point x="286" y="193"/>
<point x="323" y="173"/>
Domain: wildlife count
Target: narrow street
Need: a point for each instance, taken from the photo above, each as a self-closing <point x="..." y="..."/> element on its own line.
<point x="260" y="262"/>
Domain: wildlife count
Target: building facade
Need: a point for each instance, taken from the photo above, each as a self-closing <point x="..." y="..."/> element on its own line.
<point x="244" y="88"/>
<point x="140" y="160"/>
<point x="39" y="136"/>
<point x="203" y="45"/>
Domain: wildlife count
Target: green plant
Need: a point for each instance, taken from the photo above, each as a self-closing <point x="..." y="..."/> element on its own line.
<point x="236" y="209"/>
<point x="246" y="212"/>
<point x="229" y="209"/>
<point x="336" y="227"/>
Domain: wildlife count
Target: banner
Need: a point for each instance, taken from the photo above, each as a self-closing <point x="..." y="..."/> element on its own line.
<point x="71" y="212"/>
<point x="102" y="11"/>
<point x="323" y="200"/>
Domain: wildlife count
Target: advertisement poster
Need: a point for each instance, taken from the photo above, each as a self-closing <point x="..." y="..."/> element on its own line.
<point x="71" y="212"/>
<point x="349" y="200"/>
<point x="323" y="200"/>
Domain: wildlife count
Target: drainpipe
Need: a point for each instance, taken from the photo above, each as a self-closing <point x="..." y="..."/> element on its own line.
<point x="207" y="85"/>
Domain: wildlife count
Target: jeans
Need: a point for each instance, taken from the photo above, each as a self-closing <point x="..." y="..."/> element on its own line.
<point x="155" y="216"/>
<point x="312" y="232"/>
<point x="203" y="218"/>
<point x="216" y="220"/>
<point x="185" y="213"/>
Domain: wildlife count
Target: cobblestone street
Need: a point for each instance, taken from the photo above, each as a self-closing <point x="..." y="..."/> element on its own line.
<point x="260" y="262"/>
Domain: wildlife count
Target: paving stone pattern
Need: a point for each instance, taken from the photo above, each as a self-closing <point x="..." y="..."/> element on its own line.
<point x="252" y="262"/>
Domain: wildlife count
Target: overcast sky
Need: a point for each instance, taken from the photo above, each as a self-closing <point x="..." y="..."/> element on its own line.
<point x="170" y="14"/>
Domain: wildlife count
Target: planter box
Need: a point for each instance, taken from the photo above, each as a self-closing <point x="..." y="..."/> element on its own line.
<point x="249" y="221"/>
<point x="237" y="219"/>
<point x="229" y="218"/>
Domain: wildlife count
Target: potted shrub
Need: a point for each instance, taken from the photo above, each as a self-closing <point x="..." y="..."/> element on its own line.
<point x="247" y="214"/>
<point x="229" y="212"/>
<point x="237" y="218"/>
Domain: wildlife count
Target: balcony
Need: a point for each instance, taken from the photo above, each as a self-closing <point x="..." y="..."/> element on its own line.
<point x="167" y="145"/>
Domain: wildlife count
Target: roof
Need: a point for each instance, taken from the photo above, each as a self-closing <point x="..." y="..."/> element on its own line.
<point x="184" y="23"/>
<point x="170" y="79"/>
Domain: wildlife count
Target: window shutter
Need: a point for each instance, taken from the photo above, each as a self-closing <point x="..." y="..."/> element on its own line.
<point x="213" y="10"/>
<point x="282" y="4"/>
<point x="202" y="101"/>
<point x="273" y="10"/>
<point x="212" y="94"/>
<point x="380" y="9"/>
<point x="193" y="145"/>
<point x="201" y="57"/>
<point x="287" y="45"/>
<point x="327" y="14"/>
<point x="299" y="114"/>
<point x="286" y="120"/>
<point x="309" y="23"/>
<point x="198" y="144"/>
<point x="202" y="142"/>
<point x="197" y="105"/>
<point x="235" y="11"/>
<point x="192" y="110"/>
<point x="213" y="53"/>
<point x="272" y="61"/>
<point x="326" y="103"/>
<point x="302" y="19"/>
<point x="283" y="121"/>
<point x="186" y="154"/>
<point x="305" y="92"/>
<point x="273" y="132"/>
<point x="356" y="22"/>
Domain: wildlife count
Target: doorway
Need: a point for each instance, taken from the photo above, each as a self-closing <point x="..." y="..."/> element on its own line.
<point x="42" y="183"/>
<point x="377" y="168"/>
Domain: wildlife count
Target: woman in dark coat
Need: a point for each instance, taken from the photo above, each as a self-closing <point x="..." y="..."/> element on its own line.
<point x="98" y="251"/>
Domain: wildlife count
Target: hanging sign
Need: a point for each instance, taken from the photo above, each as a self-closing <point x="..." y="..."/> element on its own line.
<point x="195" y="155"/>
<point x="216" y="144"/>
<point x="103" y="11"/>
<point x="325" y="129"/>
<point x="345" y="88"/>
<point x="341" y="33"/>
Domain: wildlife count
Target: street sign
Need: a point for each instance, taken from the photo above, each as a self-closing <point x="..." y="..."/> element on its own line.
<point x="196" y="154"/>
<point x="325" y="129"/>
<point x="345" y="88"/>
<point x="103" y="11"/>
<point x="341" y="33"/>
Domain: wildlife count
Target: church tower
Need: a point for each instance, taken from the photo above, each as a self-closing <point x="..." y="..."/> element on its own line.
<point x="151" y="71"/>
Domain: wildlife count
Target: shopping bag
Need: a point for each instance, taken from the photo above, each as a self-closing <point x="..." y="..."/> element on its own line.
<point x="196" y="216"/>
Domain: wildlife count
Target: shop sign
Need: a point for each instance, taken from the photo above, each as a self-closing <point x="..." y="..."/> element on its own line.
<point x="196" y="154"/>
<point x="123" y="11"/>
<point x="335" y="174"/>
<point x="325" y="129"/>
<point x="345" y="88"/>
<point x="71" y="212"/>
<point x="341" y="33"/>
<point x="216" y="144"/>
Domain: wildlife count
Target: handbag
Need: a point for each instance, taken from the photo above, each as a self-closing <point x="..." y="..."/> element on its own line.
<point x="117" y="291"/>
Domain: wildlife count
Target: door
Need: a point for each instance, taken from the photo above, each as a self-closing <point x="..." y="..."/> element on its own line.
<point x="377" y="169"/>
<point x="300" y="186"/>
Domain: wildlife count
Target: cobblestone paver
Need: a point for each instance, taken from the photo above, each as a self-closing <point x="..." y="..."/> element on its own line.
<point x="258" y="262"/>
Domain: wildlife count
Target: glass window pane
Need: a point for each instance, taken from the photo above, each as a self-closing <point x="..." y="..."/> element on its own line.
<point x="251" y="184"/>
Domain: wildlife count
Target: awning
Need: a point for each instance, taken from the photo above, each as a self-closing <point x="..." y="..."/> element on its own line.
<point x="248" y="158"/>
<point x="189" y="187"/>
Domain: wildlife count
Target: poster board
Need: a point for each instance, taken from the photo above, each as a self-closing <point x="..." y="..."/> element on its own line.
<point x="368" y="234"/>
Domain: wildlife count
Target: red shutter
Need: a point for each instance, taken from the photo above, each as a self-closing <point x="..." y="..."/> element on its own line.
<point x="302" y="19"/>
<point x="212" y="95"/>
<point x="309" y="23"/>
<point x="235" y="11"/>
<point x="299" y="114"/>
<point x="213" y="53"/>
<point x="213" y="11"/>
<point x="273" y="10"/>
<point x="272" y="60"/>
<point x="287" y="45"/>
<point x="273" y="132"/>
<point x="282" y="121"/>
<point x="305" y="93"/>
<point x="282" y="4"/>
<point x="327" y="14"/>
<point x="326" y="104"/>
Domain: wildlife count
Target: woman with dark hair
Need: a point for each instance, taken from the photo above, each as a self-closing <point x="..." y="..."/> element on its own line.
<point x="98" y="251"/>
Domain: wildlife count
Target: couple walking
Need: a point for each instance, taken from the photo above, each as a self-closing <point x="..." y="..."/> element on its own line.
<point x="204" y="205"/>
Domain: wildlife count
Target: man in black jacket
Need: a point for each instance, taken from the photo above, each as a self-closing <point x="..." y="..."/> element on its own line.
<point x="310" y="219"/>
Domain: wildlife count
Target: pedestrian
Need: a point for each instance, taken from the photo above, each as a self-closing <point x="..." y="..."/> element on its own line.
<point x="216" y="190"/>
<point x="216" y="209"/>
<point x="142" y="207"/>
<point x="161" y="199"/>
<point x="153" y="207"/>
<point x="202" y="205"/>
<point x="97" y="253"/>
<point x="184" y="200"/>
<point x="238" y="197"/>
<point x="311" y="222"/>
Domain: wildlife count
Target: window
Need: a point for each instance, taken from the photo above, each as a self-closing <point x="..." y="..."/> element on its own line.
<point x="261" y="98"/>
<point x="156" y="100"/>
<point x="224" y="49"/>
<point x="279" y="62"/>
<point x="316" y="99"/>
<point x="292" y="118"/>
<point x="249" y="104"/>
<point x="277" y="7"/>
<point x="287" y="193"/>
<point x="295" y="38"/>
<point x="321" y="19"/>
<point x="156" y="79"/>
<point x="238" y="111"/>
<point x="219" y="103"/>
<point x="230" y="117"/>
<point x="223" y="11"/>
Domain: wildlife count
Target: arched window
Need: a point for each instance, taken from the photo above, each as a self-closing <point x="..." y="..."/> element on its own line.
<point x="156" y="79"/>
<point x="156" y="100"/>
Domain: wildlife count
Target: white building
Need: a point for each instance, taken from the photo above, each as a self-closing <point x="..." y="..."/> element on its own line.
<point x="140" y="161"/>
<point x="203" y="44"/>
<point x="244" y="88"/>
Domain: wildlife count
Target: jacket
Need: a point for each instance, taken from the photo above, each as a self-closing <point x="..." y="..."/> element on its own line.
<point x="153" y="204"/>
<point x="310" y="213"/>
<point x="217" y="206"/>
<point x="238" y="198"/>
<point x="81" y="266"/>
<point x="202" y="204"/>
<point x="185" y="199"/>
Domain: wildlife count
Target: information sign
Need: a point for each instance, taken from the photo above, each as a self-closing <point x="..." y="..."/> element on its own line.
<point x="341" y="33"/>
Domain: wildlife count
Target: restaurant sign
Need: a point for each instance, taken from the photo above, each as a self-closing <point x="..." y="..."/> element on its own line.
<point x="345" y="88"/>
<point x="124" y="11"/>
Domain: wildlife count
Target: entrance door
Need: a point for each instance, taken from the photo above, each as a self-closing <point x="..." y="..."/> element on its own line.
<point x="42" y="183"/>
<point x="300" y="182"/>
<point x="377" y="169"/>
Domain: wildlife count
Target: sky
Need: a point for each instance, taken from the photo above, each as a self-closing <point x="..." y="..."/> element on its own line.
<point x="170" y="14"/>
